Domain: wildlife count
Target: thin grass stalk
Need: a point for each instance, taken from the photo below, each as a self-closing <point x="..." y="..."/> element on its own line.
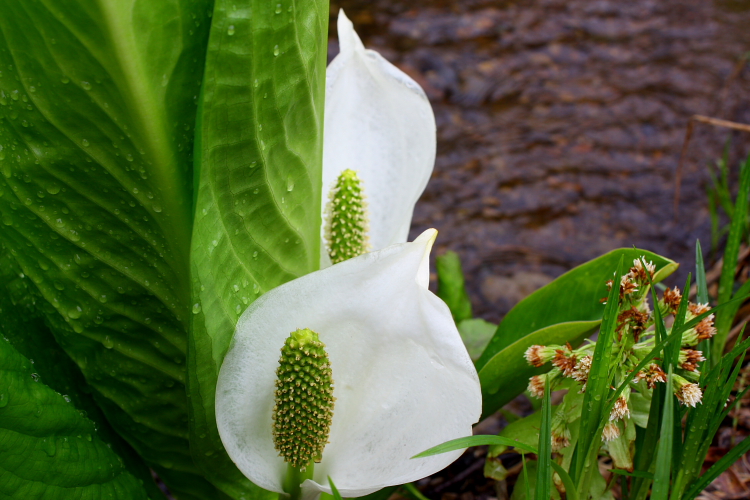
<point x="544" y="458"/>
<point x="660" y="489"/>
<point x="596" y="390"/>
<point x="731" y="253"/>
<point x="702" y="298"/>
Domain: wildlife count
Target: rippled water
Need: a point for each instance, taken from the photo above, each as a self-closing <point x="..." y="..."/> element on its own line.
<point x="560" y="123"/>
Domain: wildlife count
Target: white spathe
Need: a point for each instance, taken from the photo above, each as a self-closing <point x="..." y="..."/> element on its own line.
<point x="379" y="123"/>
<point x="403" y="381"/>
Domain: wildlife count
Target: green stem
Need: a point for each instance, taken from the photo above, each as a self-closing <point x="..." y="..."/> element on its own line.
<point x="294" y="479"/>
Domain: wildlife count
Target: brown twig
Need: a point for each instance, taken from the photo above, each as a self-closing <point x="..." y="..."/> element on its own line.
<point x="716" y="122"/>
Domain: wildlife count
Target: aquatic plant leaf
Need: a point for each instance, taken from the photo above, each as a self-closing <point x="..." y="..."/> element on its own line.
<point x="49" y="449"/>
<point x="258" y="168"/>
<point x="574" y="296"/>
<point x="97" y="105"/>
<point x="25" y="339"/>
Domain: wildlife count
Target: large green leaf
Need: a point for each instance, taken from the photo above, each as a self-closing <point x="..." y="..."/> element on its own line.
<point x="48" y="448"/>
<point x="574" y="296"/>
<point x="97" y="107"/>
<point x="257" y="216"/>
<point x="566" y="310"/>
<point x="32" y="345"/>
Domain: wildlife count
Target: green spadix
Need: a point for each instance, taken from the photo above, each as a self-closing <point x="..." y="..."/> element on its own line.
<point x="346" y="219"/>
<point x="304" y="400"/>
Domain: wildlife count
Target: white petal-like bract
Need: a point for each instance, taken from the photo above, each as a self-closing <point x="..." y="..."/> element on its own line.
<point x="379" y="123"/>
<point x="403" y="381"/>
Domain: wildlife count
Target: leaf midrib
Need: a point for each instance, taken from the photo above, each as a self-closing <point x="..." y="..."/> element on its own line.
<point x="153" y="132"/>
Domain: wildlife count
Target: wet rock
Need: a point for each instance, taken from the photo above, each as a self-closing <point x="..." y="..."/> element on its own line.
<point x="560" y="123"/>
<point x="507" y="291"/>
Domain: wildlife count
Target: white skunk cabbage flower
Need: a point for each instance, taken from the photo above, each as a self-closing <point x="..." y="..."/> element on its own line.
<point x="379" y="124"/>
<point x="402" y="379"/>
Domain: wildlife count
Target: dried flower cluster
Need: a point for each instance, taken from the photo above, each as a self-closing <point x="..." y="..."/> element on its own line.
<point x="634" y="340"/>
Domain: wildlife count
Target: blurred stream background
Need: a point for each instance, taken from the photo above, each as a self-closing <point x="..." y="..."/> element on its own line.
<point x="560" y="125"/>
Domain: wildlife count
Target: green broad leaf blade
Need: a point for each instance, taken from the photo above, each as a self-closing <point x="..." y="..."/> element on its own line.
<point x="574" y="296"/>
<point x="639" y="409"/>
<point x="476" y="334"/>
<point x="527" y="478"/>
<point x="452" y="286"/>
<point x="97" y="107"/>
<point x="507" y="374"/>
<point x="257" y="214"/>
<point x="49" y="449"/>
<point x="21" y="326"/>
<point x="524" y="431"/>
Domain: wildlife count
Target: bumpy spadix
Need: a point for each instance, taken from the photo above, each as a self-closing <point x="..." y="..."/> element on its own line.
<point x="403" y="381"/>
<point x="304" y="399"/>
<point x="346" y="230"/>
<point x="379" y="122"/>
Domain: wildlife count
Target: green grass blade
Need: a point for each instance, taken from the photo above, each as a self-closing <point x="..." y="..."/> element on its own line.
<point x="527" y="486"/>
<point x="646" y="452"/>
<point x="635" y="473"/>
<point x="673" y="349"/>
<point x="702" y="298"/>
<point x="334" y="490"/>
<point x="480" y="440"/>
<point x="544" y="457"/>
<point x="716" y="469"/>
<point x="700" y="275"/>
<point x="414" y="492"/>
<point x="731" y="252"/>
<point x="660" y="490"/>
<point x="597" y="387"/>
<point x="570" y="486"/>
